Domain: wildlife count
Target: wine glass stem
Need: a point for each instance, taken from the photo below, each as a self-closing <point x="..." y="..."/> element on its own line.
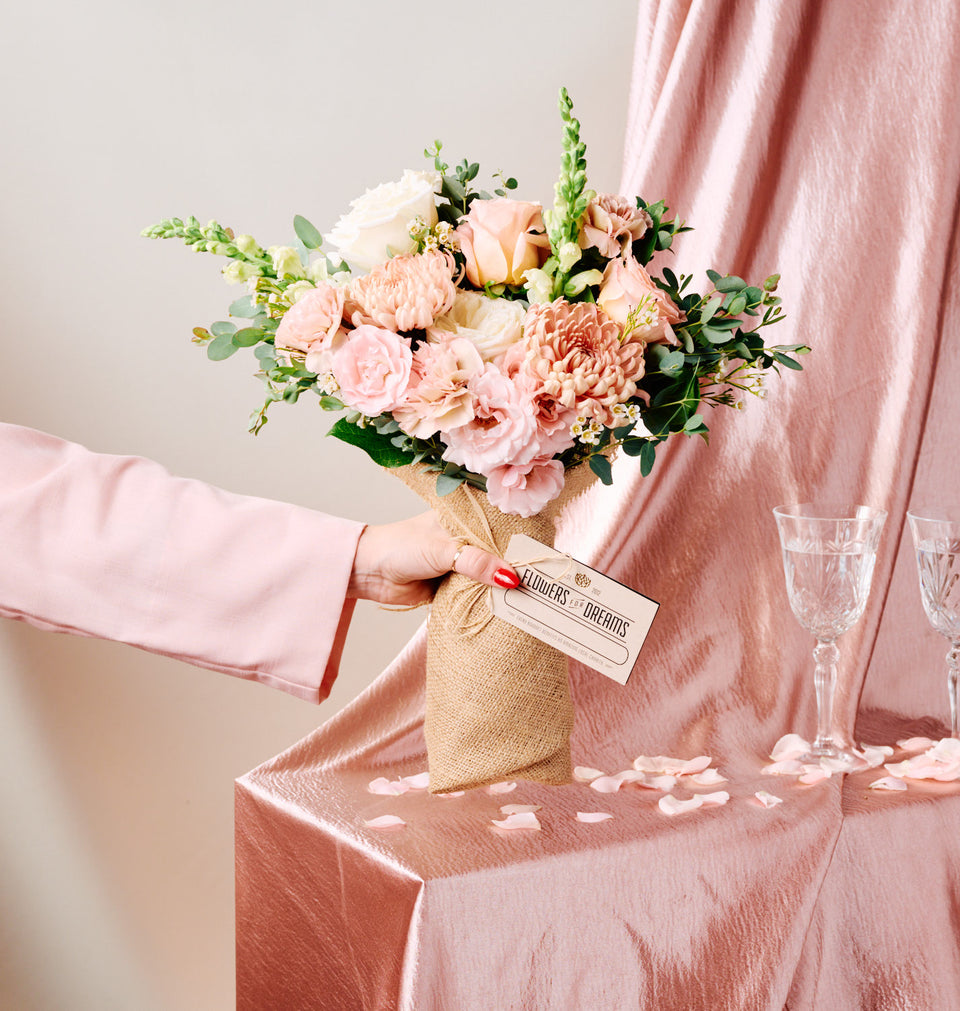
<point x="952" y="659"/>
<point x="825" y="656"/>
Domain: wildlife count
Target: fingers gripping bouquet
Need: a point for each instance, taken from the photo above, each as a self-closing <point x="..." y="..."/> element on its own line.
<point x="495" y="355"/>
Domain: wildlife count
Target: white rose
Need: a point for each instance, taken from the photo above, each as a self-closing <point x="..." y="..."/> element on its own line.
<point x="377" y="227"/>
<point x="490" y="324"/>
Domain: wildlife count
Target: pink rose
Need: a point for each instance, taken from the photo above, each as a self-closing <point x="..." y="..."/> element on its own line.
<point x="503" y="429"/>
<point x="373" y="369"/>
<point x="438" y="398"/>
<point x="612" y="223"/>
<point x="525" y="489"/>
<point x="311" y="323"/>
<point x="624" y="286"/>
<point x="500" y="239"/>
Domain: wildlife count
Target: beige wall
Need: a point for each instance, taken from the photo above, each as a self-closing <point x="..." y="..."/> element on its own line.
<point x="116" y="768"/>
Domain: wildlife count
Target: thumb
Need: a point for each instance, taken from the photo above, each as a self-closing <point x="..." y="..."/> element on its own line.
<point x="485" y="567"/>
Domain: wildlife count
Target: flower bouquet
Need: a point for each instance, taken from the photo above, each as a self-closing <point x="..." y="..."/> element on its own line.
<point x="494" y="355"/>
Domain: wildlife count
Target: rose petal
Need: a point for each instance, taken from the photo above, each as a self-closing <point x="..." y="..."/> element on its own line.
<point x="717" y="799"/>
<point x="787" y="767"/>
<point x="814" y="774"/>
<point x="453" y="793"/>
<point x="665" y="783"/>
<point x="385" y="821"/>
<point x="874" y="756"/>
<point x="898" y="769"/>
<point x="834" y="764"/>
<point x="386" y="787"/>
<point x="709" y="777"/>
<point x="670" y="806"/>
<point x="916" y="743"/>
<point x="947" y="750"/>
<point x="885" y="748"/>
<point x="593" y="816"/>
<point x="631" y="776"/>
<point x="501" y="787"/>
<point x="887" y="783"/>
<point x="645" y="764"/>
<point x="526" y="820"/>
<point x="695" y="765"/>
<point x="768" y="800"/>
<point x="418" y="782"/>
<point x="789" y="746"/>
<point x="584" y="774"/>
<point x="519" y="808"/>
<point x="606" y="784"/>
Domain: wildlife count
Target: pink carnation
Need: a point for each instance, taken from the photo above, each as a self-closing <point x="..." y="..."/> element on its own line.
<point x="406" y="293"/>
<point x="373" y="369"/>
<point x="438" y="399"/>
<point x="525" y="489"/>
<point x="576" y="358"/>
<point x="503" y="429"/>
<point x="612" y="223"/>
<point x="311" y="323"/>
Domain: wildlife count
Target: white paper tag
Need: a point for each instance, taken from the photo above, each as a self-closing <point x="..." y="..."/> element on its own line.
<point x="582" y="612"/>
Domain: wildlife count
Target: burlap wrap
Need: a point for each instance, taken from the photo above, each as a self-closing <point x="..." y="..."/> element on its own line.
<point x="497" y="700"/>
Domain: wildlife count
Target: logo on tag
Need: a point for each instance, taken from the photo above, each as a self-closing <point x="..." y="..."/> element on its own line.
<point x="581" y="612"/>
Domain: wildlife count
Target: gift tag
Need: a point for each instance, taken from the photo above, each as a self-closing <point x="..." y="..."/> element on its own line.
<point x="581" y="612"/>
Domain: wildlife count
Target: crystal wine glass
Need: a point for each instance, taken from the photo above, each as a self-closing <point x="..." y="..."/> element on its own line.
<point x="937" y="541"/>
<point x="828" y="558"/>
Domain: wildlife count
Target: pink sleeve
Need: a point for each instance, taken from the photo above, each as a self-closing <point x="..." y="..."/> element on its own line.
<point x="115" y="547"/>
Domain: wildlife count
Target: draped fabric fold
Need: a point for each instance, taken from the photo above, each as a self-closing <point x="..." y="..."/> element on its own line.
<point x="817" y="138"/>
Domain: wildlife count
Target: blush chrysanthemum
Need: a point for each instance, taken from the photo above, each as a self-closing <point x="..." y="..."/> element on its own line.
<point x="576" y="359"/>
<point x="406" y="293"/>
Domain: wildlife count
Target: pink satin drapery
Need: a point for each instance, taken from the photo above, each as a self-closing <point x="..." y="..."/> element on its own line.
<point x="817" y="138"/>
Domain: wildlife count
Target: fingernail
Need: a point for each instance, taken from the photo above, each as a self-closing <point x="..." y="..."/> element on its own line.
<point x="507" y="579"/>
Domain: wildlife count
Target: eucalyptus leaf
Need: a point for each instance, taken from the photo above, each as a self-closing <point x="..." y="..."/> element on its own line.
<point x="331" y="403"/>
<point x="731" y="283"/>
<point x="247" y="337"/>
<point x="222" y="328"/>
<point x="307" y="233"/>
<point x="447" y="483"/>
<point x="600" y="465"/>
<point x="788" y="362"/>
<point x="714" y="336"/>
<point x="221" y="347"/>
<point x="244" y="307"/>
<point x="707" y="313"/>
<point x="648" y="455"/>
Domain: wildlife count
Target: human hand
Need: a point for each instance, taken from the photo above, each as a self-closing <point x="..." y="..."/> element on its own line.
<point x="401" y="563"/>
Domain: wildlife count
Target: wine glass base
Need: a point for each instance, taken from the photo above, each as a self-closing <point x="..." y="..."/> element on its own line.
<point x="847" y="761"/>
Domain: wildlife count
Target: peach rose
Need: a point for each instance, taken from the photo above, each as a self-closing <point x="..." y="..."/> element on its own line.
<point x="311" y="323"/>
<point x="438" y="399"/>
<point x="524" y="490"/>
<point x="624" y="286"/>
<point x="373" y="369"/>
<point x="500" y="239"/>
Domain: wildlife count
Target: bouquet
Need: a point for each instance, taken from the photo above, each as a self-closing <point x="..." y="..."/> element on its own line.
<point x="495" y="355"/>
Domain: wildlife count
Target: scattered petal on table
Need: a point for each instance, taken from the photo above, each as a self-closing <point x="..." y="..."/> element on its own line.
<point x="593" y="816"/>
<point x="947" y="750"/>
<point x="789" y="746"/>
<point x="671" y="806"/>
<point x="834" y="764"/>
<point x="874" y="756"/>
<point x="814" y="774"/>
<point x="519" y="808"/>
<point x="385" y="821"/>
<point x="715" y="799"/>
<point x="387" y="787"/>
<point x="501" y="787"/>
<point x="665" y="783"/>
<point x="768" y="800"/>
<point x="453" y="793"/>
<point x="631" y="776"/>
<point x="606" y="784"/>
<point x="526" y="820"/>
<point x="888" y="783"/>
<point x="647" y="764"/>
<point x="916" y="744"/>
<point x="946" y="773"/>
<point x="709" y="777"/>
<point x="695" y="765"/>
<point x="584" y="774"/>
<point x="786" y="767"/>
<point x="418" y="782"/>
<point x="885" y="748"/>
<point x="898" y="769"/>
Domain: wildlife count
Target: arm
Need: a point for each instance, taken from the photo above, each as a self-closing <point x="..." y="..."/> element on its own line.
<point x="115" y="547"/>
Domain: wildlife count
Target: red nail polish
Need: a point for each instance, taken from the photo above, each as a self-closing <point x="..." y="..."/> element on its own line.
<point x="507" y="579"/>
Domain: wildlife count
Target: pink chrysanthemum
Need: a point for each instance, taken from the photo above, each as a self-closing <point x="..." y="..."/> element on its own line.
<point x="577" y="360"/>
<point x="406" y="293"/>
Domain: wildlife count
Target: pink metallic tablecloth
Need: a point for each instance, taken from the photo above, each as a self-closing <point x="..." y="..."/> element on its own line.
<point x="818" y="138"/>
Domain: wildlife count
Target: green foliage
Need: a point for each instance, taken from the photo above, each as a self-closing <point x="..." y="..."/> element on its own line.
<point x="376" y="445"/>
<point x="307" y="233"/>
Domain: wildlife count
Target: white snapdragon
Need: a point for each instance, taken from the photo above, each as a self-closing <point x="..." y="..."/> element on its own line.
<point x="539" y="285"/>
<point x="236" y="272"/>
<point x="286" y="260"/>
